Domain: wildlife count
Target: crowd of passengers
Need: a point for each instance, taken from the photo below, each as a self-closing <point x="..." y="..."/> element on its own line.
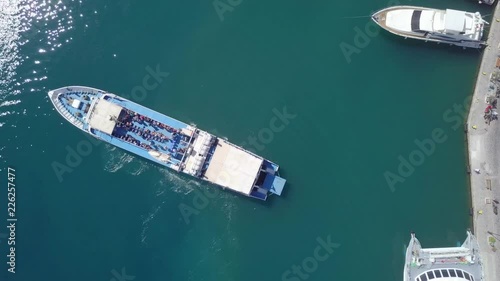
<point x="148" y="135"/>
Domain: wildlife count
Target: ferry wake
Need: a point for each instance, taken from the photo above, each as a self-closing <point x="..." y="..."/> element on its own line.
<point x="167" y="141"/>
<point x="448" y="26"/>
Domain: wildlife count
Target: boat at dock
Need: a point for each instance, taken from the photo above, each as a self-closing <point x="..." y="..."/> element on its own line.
<point x="167" y="141"/>
<point x="448" y="26"/>
<point x="453" y="263"/>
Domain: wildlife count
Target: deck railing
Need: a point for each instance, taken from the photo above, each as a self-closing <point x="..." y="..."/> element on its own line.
<point x="66" y="114"/>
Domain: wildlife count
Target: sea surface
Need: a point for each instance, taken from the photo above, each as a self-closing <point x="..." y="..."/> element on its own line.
<point x="369" y="137"/>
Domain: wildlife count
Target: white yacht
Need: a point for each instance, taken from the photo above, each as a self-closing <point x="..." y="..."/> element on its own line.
<point x="442" y="26"/>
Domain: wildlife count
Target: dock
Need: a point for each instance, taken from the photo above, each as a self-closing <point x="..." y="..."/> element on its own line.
<point x="483" y="136"/>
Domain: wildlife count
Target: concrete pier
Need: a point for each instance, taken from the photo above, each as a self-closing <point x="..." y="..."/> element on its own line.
<point x="484" y="157"/>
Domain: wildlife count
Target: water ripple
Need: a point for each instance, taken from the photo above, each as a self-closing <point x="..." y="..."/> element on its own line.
<point x="116" y="159"/>
<point x="10" y="24"/>
<point x="31" y="32"/>
<point x="10" y="102"/>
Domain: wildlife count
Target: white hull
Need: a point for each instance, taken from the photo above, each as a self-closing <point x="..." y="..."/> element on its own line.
<point x="452" y="27"/>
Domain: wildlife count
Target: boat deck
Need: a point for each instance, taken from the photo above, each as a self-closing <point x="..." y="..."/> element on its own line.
<point x="150" y="134"/>
<point x="141" y="130"/>
<point x="381" y="19"/>
<point x="74" y="104"/>
<point x="426" y="264"/>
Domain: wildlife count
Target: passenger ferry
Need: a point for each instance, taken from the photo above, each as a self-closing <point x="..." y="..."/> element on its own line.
<point x="449" y="26"/>
<point x="167" y="141"/>
<point x="447" y="264"/>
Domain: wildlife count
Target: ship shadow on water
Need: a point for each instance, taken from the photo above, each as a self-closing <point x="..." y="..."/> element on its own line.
<point x="422" y="45"/>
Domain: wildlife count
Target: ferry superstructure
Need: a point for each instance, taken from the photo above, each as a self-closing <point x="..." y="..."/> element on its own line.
<point x="167" y="141"/>
<point x="448" y="26"/>
<point x="447" y="264"/>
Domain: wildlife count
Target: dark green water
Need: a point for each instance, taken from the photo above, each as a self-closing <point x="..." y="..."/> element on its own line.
<point x="115" y="213"/>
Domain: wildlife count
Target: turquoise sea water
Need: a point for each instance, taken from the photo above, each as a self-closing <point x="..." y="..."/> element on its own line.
<point x="116" y="217"/>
